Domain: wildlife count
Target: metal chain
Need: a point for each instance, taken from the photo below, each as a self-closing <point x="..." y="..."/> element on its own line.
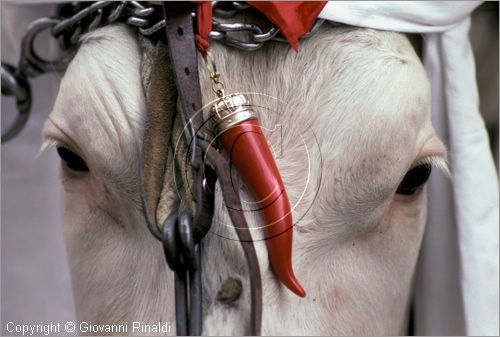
<point x="72" y="21"/>
<point x="256" y="37"/>
<point x="77" y="18"/>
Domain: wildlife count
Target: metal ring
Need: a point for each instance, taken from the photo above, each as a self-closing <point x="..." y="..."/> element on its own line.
<point x="144" y="12"/>
<point x="314" y="28"/>
<point x="240" y="5"/>
<point x="215" y="35"/>
<point x="153" y="29"/>
<point x="266" y="36"/>
<point x="62" y="25"/>
<point x="137" y="22"/>
<point x="136" y="4"/>
<point x="170" y="242"/>
<point x="97" y="20"/>
<point x="241" y="44"/>
<point x="75" y="37"/>
<point x="20" y="89"/>
<point x="236" y="27"/>
<point x="117" y="12"/>
<point x="31" y="64"/>
<point x="185" y="235"/>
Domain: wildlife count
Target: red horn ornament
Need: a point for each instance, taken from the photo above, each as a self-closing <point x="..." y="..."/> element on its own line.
<point x="242" y="137"/>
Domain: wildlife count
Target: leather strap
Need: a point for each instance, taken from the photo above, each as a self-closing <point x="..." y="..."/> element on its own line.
<point x="233" y="205"/>
<point x="183" y="57"/>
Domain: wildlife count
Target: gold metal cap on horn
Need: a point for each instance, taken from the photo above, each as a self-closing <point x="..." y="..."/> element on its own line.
<point x="231" y="110"/>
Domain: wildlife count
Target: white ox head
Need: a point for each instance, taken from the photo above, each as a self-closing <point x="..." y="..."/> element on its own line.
<point x="363" y="94"/>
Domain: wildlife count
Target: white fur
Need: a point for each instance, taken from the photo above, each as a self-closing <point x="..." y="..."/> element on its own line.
<point x="362" y="94"/>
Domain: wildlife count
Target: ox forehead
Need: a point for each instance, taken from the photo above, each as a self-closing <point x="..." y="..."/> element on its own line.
<point x="363" y="93"/>
<point x="385" y="108"/>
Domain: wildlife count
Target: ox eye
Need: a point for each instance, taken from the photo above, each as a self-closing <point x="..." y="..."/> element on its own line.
<point x="414" y="179"/>
<point x="72" y="160"/>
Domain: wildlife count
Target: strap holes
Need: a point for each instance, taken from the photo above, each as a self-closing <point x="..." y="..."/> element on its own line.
<point x="186" y="71"/>
<point x="180" y="31"/>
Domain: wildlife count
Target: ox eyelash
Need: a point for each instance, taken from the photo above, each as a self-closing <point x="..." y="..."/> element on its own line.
<point x="436" y="162"/>
<point x="50" y="143"/>
<point x="47" y="144"/>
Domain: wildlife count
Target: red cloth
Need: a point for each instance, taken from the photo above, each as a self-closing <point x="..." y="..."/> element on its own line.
<point x="204" y="22"/>
<point x="294" y="18"/>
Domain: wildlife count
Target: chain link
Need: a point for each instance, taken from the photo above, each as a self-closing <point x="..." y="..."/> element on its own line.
<point x="77" y="18"/>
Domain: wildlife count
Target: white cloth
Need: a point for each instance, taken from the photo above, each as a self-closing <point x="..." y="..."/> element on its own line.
<point x="461" y="241"/>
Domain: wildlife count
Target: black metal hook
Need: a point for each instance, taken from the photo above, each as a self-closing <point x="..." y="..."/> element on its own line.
<point x="184" y="257"/>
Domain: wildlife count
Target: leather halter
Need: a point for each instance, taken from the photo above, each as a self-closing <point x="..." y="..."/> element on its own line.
<point x="182" y="232"/>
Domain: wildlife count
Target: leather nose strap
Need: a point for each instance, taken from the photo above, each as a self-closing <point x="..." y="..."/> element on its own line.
<point x="183" y="61"/>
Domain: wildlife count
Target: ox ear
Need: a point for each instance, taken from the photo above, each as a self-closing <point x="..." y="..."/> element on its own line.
<point x="161" y="98"/>
<point x="166" y="174"/>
